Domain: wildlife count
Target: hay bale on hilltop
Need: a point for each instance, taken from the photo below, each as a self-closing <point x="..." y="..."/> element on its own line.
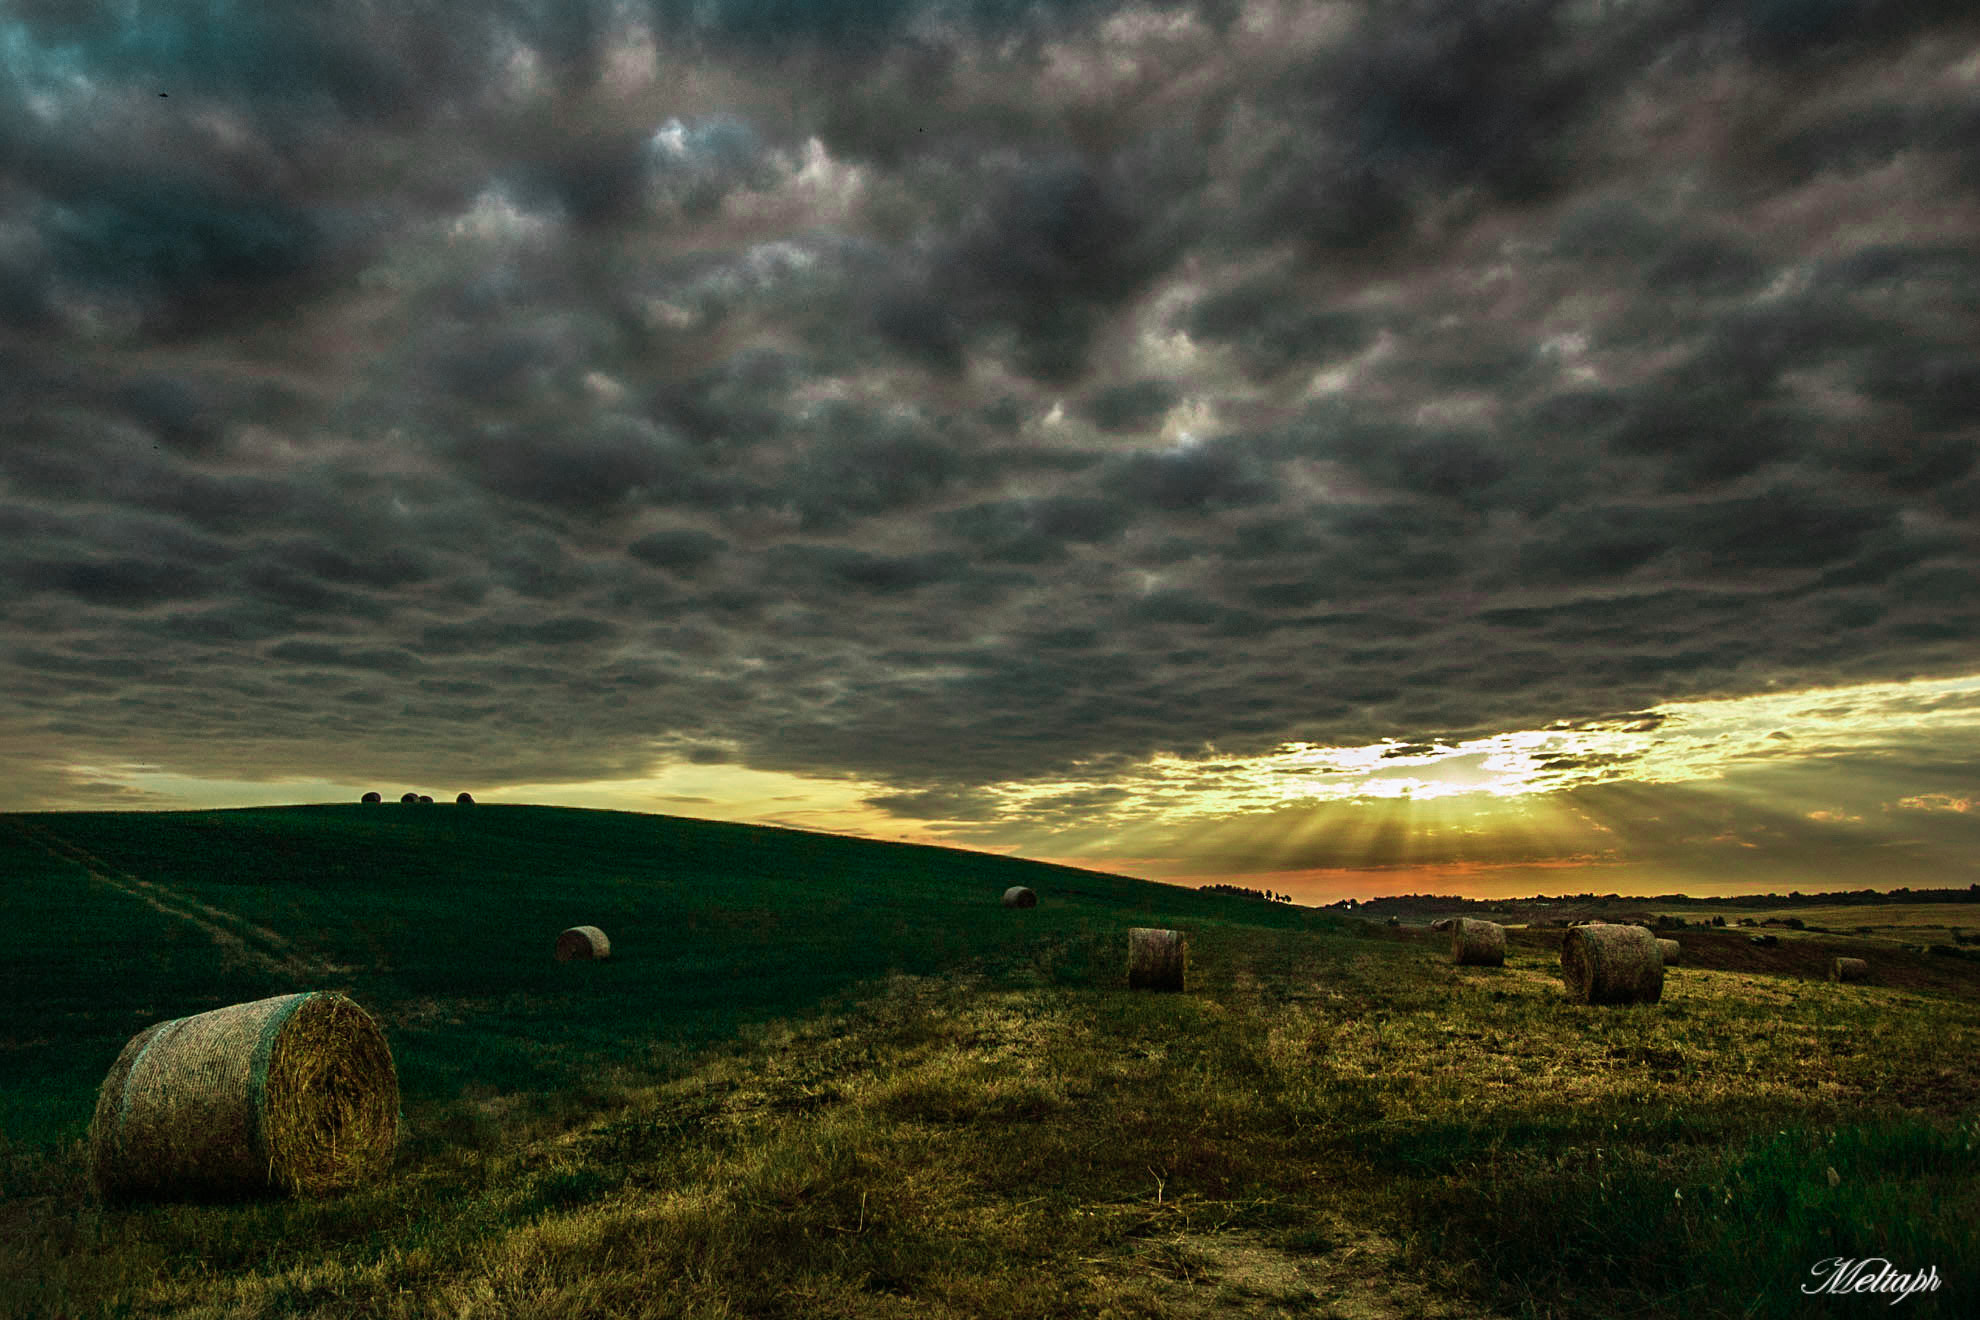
<point x="464" y="800"/>
<point x="1671" y="952"/>
<point x="295" y="1094"/>
<point x="583" y="942"/>
<point x="1848" y="969"/>
<point x="1017" y="896"/>
<point x="1477" y="943"/>
<point x="409" y="799"/>
<point x="1155" y="959"/>
<point x="1612" y="964"/>
<point x="370" y="798"/>
<point x="426" y="799"/>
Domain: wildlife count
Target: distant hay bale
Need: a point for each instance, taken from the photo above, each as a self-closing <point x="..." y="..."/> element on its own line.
<point x="464" y="800"/>
<point x="1155" y="959"/>
<point x="1017" y="896"/>
<point x="1763" y="941"/>
<point x="1441" y="923"/>
<point x="1478" y="943"/>
<point x="425" y="800"/>
<point x="583" y="942"/>
<point x="1611" y="964"/>
<point x="292" y="1094"/>
<point x="1670" y="950"/>
<point x="409" y="799"/>
<point x="371" y="797"/>
<point x="1848" y="969"/>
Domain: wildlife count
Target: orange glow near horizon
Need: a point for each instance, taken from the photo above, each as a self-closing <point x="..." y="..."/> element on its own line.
<point x="1811" y="790"/>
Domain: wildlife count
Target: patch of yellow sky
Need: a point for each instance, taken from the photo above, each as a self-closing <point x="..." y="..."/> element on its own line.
<point x="1382" y="798"/>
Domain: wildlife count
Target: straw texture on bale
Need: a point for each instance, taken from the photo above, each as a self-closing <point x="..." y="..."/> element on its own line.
<point x="1019" y="896"/>
<point x="1671" y="952"/>
<point x="583" y="942"/>
<point x="1155" y="959"/>
<point x="1609" y="964"/>
<point x="1848" y="969"/>
<point x="293" y="1094"/>
<point x="1478" y="943"/>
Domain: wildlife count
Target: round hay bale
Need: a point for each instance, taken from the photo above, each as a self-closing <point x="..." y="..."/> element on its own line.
<point x="409" y="799"/>
<point x="1477" y="943"/>
<point x="583" y="942"/>
<point x="371" y="798"/>
<point x="1611" y="964"/>
<point x="1848" y="969"/>
<point x="1017" y="896"/>
<point x="1441" y="923"/>
<point x="1670" y="950"/>
<point x="1155" y="959"/>
<point x="426" y="799"/>
<point x="464" y="800"/>
<point x="292" y="1094"/>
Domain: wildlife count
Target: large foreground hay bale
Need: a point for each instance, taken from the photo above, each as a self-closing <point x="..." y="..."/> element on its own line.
<point x="1155" y="959"/>
<point x="291" y="1094"/>
<point x="1610" y="964"/>
<point x="1671" y="952"/>
<point x="1019" y="896"/>
<point x="1477" y="943"/>
<point x="583" y="942"/>
<point x="1848" y="969"/>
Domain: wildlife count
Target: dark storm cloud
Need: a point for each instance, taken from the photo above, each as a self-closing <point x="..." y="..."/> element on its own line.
<point x="1273" y="333"/>
<point x="325" y="653"/>
<point x="681" y="551"/>
<point x="1129" y="407"/>
<point x="1034" y="531"/>
<point x="790" y="386"/>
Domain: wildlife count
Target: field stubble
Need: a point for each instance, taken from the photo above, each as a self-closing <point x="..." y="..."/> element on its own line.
<point x="1329" y="1123"/>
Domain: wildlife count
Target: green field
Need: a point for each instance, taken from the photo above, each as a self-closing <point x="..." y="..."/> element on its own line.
<point x="1921" y="923"/>
<point x="823" y="1076"/>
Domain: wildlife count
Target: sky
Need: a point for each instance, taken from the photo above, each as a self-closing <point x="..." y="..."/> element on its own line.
<point x="1344" y="449"/>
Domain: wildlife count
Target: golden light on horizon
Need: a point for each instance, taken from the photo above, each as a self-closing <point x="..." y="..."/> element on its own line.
<point x="1674" y="779"/>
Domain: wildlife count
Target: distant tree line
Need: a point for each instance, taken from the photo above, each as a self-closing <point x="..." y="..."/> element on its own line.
<point x="1262" y="895"/>
<point x="1412" y="903"/>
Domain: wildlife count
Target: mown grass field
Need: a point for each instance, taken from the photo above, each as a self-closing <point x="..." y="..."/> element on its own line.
<point x="828" y="1077"/>
<point x="1923" y="923"/>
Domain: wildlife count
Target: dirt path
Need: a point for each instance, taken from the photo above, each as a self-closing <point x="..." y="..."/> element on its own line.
<point x="240" y="938"/>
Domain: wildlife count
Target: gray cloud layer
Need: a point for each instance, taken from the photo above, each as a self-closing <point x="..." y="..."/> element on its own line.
<point x="953" y="393"/>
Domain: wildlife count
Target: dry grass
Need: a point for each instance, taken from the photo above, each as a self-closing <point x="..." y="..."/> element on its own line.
<point x="295" y="1093"/>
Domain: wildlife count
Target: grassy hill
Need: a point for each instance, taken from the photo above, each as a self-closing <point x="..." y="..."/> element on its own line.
<point x="826" y="1076"/>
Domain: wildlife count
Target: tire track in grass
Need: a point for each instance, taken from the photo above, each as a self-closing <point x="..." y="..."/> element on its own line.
<point x="234" y="933"/>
